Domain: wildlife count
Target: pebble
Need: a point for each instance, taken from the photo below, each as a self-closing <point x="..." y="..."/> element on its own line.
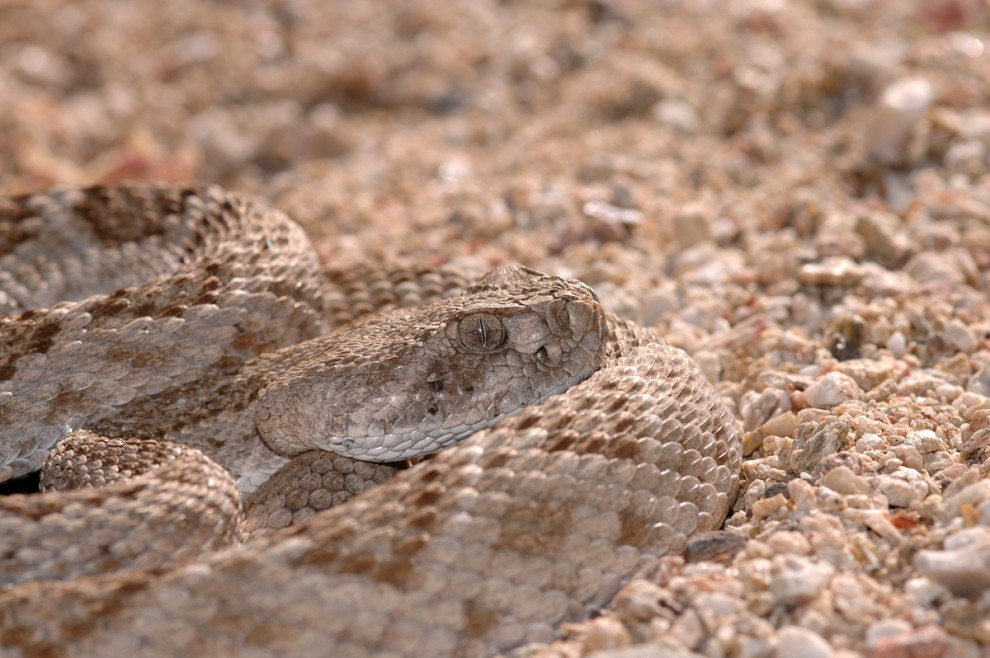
<point x="866" y="373"/>
<point x="979" y="382"/>
<point x="758" y="410"/>
<point x="925" y="441"/>
<point x="789" y="542"/>
<point x="940" y="267"/>
<point x="813" y="443"/>
<point x="605" y="633"/>
<point x="844" y="481"/>
<point x="959" y="336"/>
<point x="678" y="114"/>
<point x="831" y="272"/>
<point x="660" y="649"/>
<point x="831" y="390"/>
<point x="797" y="642"/>
<point x="923" y="591"/>
<point x="769" y="506"/>
<point x="802" y="494"/>
<point x="901" y="106"/>
<point x="797" y="579"/>
<point x="715" y="545"/>
<point x="926" y="642"/>
<point x="963" y="566"/>
<point x="884" y="628"/>
<point x="783" y="425"/>
<point x="904" y="488"/>
<point x="884" y="237"/>
<point x="973" y="495"/>
<point x="897" y="344"/>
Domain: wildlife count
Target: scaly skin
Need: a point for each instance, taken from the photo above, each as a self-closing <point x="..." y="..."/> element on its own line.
<point x="492" y="543"/>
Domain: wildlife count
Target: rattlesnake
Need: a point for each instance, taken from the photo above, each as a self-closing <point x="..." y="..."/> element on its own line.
<point x="226" y="344"/>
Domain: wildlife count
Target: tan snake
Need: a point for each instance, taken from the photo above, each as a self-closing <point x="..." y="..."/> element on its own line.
<point x="595" y="446"/>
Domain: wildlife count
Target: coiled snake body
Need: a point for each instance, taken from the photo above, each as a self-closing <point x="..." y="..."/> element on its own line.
<point x="145" y="319"/>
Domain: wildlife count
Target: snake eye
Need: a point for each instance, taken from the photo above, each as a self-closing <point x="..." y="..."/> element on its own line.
<point x="481" y="332"/>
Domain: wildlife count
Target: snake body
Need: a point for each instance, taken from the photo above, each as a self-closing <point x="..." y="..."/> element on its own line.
<point x="596" y="446"/>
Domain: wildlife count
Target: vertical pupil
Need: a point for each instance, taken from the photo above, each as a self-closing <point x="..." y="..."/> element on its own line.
<point x="481" y="332"/>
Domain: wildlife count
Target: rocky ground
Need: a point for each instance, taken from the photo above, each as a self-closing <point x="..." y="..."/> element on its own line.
<point x="797" y="193"/>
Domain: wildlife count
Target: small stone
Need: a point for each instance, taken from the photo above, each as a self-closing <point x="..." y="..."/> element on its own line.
<point x="720" y="544"/>
<point x="929" y="267"/>
<point x="866" y="373"/>
<point x="688" y="629"/>
<point x="797" y="642"/>
<point x="783" y="425"/>
<point x="677" y="114"/>
<point x="639" y="601"/>
<point x="769" y="506"/>
<point x="923" y="591"/>
<point x="814" y="442"/>
<point x="659" y="303"/>
<point x="789" y="542"/>
<point x="971" y="496"/>
<point x="831" y="272"/>
<point x="979" y="382"/>
<point x="897" y="344"/>
<point x="850" y="597"/>
<point x="910" y="457"/>
<point x="878" y="521"/>
<point x="604" y="633"/>
<point x="963" y="566"/>
<point x="844" y="481"/>
<point x="802" y="494"/>
<point x="903" y="488"/>
<point x="757" y="411"/>
<point x="665" y="649"/>
<point x="693" y="225"/>
<point x="886" y="628"/>
<point x="925" y="441"/>
<point x="926" y="642"/>
<point x="959" y="336"/>
<point x="831" y="390"/>
<point x="901" y="105"/>
<point x="977" y="441"/>
<point x="885" y="237"/>
<point x="869" y="442"/>
<point x="850" y="460"/>
<point x="717" y="608"/>
<point x="797" y="579"/>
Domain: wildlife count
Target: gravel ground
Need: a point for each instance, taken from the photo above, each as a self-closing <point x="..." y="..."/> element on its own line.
<point x="797" y="193"/>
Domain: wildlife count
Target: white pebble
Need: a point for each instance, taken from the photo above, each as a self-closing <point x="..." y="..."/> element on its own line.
<point x="923" y="591"/>
<point x="869" y="442"/>
<point x="832" y="389"/>
<point x="797" y="642"/>
<point x="843" y="480"/>
<point x="886" y="628"/>
<point x="959" y="336"/>
<point x="897" y="344"/>
<point x="963" y="566"/>
<point x="903" y="488"/>
<point x="798" y="579"/>
<point x="901" y="106"/>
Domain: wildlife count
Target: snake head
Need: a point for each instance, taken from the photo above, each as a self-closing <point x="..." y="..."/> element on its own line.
<point x="413" y="381"/>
